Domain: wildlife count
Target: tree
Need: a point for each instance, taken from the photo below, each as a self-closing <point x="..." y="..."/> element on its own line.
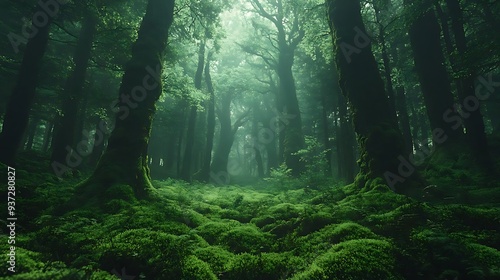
<point x="378" y="134"/>
<point x="284" y="40"/>
<point x="16" y="116"/>
<point x="125" y="159"/>
<point x="65" y="138"/>
<point x="472" y="117"/>
<point x="429" y="60"/>
<point x="205" y="171"/>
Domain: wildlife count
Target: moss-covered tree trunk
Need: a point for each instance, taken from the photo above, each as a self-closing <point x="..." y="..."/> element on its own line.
<point x="377" y="130"/>
<point x="16" y="117"/>
<point x="65" y="138"/>
<point x="125" y="158"/>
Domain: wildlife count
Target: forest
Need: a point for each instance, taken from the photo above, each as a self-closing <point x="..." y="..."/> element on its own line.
<point x="250" y="139"/>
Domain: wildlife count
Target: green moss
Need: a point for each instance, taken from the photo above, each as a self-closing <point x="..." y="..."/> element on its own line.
<point x="262" y="221"/>
<point x="285" y="211"/>
<point x="270" y="266"/>
<point x="319" y="242"/>
<point x="246" y="239"/>
<point x="212" y="231"/>
<point x="217" y="257"/>
<point x="357" y="260"/>
<point x="124" y="192"/>
<point x="314" y="222"/>
<point x="196" y="269"/>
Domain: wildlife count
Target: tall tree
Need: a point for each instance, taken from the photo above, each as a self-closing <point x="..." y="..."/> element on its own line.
<point x="205" y="171"/>
<point x="289" y="33"/>
<point x="125" y="159"/>
<point x="16" y="116"/>
<point x="472" y="118"/>
<point x="187" y="167"/>
<point x="378" y="134"/>
<point x="434" y="81"/>
<point x="65" y="138"/>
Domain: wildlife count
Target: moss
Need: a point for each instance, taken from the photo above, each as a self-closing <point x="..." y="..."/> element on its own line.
<point x="217" y="257"/>
<point x="319" y="242"/>
<point x="485" y="259"/>
<point x="124" y="192"/>
<point x="314" y="222"/>
<point x="356" y="260"/>
<point x="196" y="269"/>
<point x="155" y="254"/>
<point x="212" y="231"/>
<point x="262" y="221"/>
<point x="269" y="266"/>
<point x="285" y="211"/>
<point x="246" y="239"/>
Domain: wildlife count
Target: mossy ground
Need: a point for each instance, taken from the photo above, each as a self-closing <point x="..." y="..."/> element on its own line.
<point x="264" y="231"/>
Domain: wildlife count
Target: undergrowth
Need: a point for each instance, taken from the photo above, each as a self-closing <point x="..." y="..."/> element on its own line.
<point x="282" y="228"/>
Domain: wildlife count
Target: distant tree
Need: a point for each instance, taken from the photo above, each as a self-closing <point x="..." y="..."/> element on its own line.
<point x="288" y="33"/>
<point x="73" y="92"/>
<point x="430" y="66"/>
<point x="16" y="117"/>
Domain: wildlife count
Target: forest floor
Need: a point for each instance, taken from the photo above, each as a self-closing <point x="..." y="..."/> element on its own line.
<point x="281" y="228"/>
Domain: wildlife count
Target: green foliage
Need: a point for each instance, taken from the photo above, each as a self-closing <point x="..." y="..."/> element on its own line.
<point x="314" y="158"/>
<point x="280" y="176"/>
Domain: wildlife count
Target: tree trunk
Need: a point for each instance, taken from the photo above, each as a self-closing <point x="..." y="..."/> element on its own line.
<point x="16" y="117"/>
<point x="33" y="125"/>
<point x="379" y="137"/>
<point x="187" y="162"/>
<point x="430" y="66"/>
<point x="219" y="174"/>
<point x="49" y="126"/>
<point x="289" y="112"/>
<point x="472" y="118"/>
<point x="205" y="171"/>
<point x="99" y="143"/>
<point x="125" y="159"/>
<point x="65" y="138"/>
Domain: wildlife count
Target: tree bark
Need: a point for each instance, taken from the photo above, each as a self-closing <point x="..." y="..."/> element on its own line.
<point x="434" y="82"/>
<point x="472" y="118"/>
<point x="125" y="159"/>
<point x="205" y="171"/>
<point x="187" y="162"/>
<point x="65" y="137"/>
<point x="379" y="137"/>
<point x="49" y="126"/>
<point x="218" y="168"/>
<point x="33" y="125"/>
<point x="16" y="117"/>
